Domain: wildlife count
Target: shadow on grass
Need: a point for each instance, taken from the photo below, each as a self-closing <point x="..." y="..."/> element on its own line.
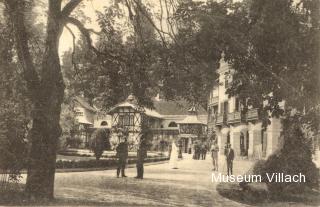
<point x="233" y="192"/>
<point x="15" y="196"/>
<point x="260" y="196"/>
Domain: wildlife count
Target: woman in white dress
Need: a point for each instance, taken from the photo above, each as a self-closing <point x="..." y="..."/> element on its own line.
<point x="173" y="162"/>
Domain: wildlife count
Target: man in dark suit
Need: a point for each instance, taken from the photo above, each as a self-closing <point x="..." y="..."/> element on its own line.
<point x="142" y="152"/>
<point x="122" y="155"/>
<point x="229" y="153"/>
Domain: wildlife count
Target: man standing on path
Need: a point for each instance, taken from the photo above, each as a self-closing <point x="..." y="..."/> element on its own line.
<point x="142" y="152"/>
<point x="214" y="154"/>
<point x="229" y="153"/>
<point x="122" y="155"/>
<point x="203" y="151"/>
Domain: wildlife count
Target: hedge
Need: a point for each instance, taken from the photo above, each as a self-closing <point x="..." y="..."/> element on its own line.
<point x="103" y="163"/>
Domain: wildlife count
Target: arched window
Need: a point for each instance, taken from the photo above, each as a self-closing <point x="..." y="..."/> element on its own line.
<point x="173" y="124"/>
<point x="104" y="123"/>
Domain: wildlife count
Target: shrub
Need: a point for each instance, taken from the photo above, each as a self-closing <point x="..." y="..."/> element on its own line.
<point x="295" y="157"/>
<point x="13" y="145"/>
<point x="67" y="164"/>
<point x="99" y="142"/>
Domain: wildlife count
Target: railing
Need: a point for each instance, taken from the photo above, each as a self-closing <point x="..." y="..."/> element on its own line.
<point x="4" y="179"/>
<point x="234" y="117"/>
<point x="213" y="101"/>
<point x="221" y="119"/>
<point x="252" y="115"/>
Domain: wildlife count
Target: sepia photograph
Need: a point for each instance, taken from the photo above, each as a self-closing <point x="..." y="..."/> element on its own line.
<point x="154" y="103"/>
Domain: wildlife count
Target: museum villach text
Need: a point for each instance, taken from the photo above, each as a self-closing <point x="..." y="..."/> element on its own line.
<point x="271" y="177"/>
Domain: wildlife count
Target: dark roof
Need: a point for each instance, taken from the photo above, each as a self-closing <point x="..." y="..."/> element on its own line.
<point x="175" y="107"/>
<point x="84" y="103"/>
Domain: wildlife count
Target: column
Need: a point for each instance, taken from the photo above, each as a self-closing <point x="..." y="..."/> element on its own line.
<point x="273" y="132"/>
<point x="221" y="141"/>
<point x="250" y="149"/>
<point x="255" y="148"/>
<point x="235" y="144"/>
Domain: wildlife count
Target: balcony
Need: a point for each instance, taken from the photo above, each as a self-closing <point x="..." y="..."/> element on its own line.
<point x="213" y="101"/>
<point x="221" y="119"/>
<point x="252" y="115"/>
<point x="235" y="117"/>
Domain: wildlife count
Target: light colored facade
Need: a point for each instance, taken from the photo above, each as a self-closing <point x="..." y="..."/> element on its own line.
<point x="89" y="119"/>
<point x="167" y="121"/>
<point x="228" y="122"/>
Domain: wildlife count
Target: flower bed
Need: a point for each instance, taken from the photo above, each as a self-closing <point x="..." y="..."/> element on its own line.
<point x="106" y="154"/>
<point x="103" y="163"/>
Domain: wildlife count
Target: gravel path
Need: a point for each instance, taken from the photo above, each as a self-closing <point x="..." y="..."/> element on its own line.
<point x="190" y="185"/>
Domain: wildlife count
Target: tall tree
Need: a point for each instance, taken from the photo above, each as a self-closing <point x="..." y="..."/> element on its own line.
<point x="45" y="89"/>
<point x="277" y="59"/>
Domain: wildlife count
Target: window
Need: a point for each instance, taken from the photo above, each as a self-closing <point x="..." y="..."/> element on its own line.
<point x="173" y="124"/>
<point x="228" y="138"/>
<point x="79" y="113"/>
<point x="210" y="114"/>
<point x="104" y="123"/>
<point x="226" y="82"/>
<point x="215" y="110"/>
<point x="237" y="105"/>
<point x="224" y="107"/>
<point x="126" y="120"/>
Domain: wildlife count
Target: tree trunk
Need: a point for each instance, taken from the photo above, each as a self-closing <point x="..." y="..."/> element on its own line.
<point x="46" y="91"/>
<point x="46" y="130"/>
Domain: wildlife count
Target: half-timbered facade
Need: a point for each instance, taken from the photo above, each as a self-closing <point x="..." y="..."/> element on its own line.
<point x="167" y="122"/>
<point x="191" y="129"/>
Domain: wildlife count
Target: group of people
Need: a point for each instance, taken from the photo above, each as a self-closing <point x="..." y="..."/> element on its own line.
<point x="228" y="153"/>
<point x="122" y="153"/>
<point x="200" y="151"/>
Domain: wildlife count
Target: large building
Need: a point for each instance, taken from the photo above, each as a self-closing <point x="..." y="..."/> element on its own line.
<point x="228" y="122"/>
<point x="89" y="119"/>
<point x="168" y="121"/>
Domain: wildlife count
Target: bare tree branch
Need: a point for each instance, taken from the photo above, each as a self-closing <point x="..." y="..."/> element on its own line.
<point x="69" y="7"/>
<point x="86" y="33"/>
<point x="74" y="64"/>
<point x="159" y="31"/>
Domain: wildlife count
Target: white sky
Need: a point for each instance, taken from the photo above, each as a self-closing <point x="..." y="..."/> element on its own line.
<point x="90" y="7"/>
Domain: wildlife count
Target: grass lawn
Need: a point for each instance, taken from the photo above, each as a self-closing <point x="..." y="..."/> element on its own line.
<point x="259" y="196"/>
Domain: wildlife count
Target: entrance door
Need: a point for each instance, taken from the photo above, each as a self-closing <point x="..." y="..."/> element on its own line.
<point x="242" y="144"/>
<point x="264" y="142"/>
<point x="226" y="107"/>
<point x="247" y="143"/>
<point x="228" y="138"/>
<point x="186" y="140"/>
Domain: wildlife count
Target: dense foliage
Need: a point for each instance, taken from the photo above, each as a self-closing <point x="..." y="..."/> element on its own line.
<point x="99" y="142"/>
<point x="277" y="62"/>
<point x="14" y="109"/>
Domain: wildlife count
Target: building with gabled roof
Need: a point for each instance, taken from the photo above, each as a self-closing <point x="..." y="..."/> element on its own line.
<point x="165" y="120"/>
<point x="168" y="120"/>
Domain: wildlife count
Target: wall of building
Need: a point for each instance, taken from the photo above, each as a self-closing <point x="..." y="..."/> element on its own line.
<point x="258" y="144"/>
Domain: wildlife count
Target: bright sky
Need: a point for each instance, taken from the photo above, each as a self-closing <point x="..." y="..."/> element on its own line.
<point x="89" y="8"/>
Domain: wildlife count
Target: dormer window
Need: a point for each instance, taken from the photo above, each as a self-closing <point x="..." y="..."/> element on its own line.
<point x="227" y="79"/>
<point x="226" y="83"/>
<point x="79" y="113"/>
